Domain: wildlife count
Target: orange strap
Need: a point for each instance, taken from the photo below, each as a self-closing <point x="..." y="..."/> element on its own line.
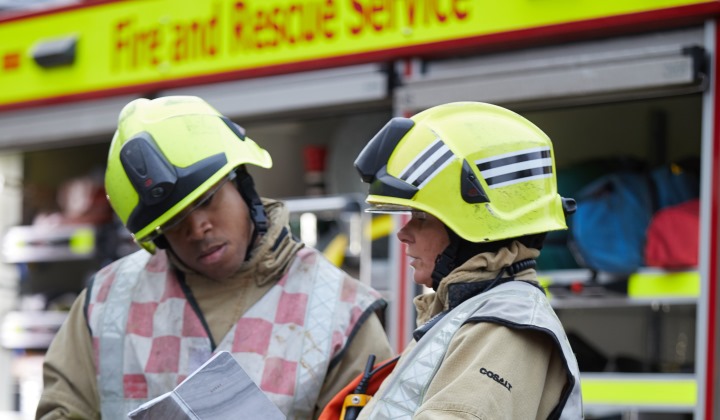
<point x="333" y="409"/>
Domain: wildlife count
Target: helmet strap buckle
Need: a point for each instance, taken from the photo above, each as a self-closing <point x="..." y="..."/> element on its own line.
<point x="258" y="215"/>
<point x="259" y="218"/>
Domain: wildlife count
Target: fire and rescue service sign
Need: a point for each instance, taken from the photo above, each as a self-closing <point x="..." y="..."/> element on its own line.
<point x="120" y="46"/>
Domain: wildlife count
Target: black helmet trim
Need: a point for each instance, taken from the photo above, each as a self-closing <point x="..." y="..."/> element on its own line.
<point x="470" y="189"/>
<point x="235" y="128"/>
<point x="150" y="173"/>
<point x="188" y="180"/>
<point x="387" y="185"/>
<point x="371" y="163"/>
<point x="569" y="206"/>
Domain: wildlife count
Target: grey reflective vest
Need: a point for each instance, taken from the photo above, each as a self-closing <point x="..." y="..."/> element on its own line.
<point x="513" y="304"/>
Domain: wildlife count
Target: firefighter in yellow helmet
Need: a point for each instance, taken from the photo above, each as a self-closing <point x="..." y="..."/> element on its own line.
<point x="480" y="184"/>
<point x="219" y="271"/>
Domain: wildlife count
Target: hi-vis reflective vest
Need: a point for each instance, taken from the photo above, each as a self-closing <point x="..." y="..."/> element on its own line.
<point x="148" y="337"/>
<point x="516" y="304"/>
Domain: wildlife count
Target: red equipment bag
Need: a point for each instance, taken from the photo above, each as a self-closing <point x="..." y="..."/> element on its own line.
<point x="673" y="236"/>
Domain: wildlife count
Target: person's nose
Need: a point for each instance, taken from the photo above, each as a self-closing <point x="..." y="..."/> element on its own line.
<point x="196" y="224"/>
<point x="404" y="235"/>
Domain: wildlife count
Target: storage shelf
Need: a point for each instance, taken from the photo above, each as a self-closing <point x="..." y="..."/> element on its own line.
<point x="647" y="287"/>
<point x="613" y="393"/>
<point x="45" y="243"/>
<point x="34" y="330"/>
<point x="578" y="302"/>
<point x="30" y="244"/>
<point x="578" y="275"/>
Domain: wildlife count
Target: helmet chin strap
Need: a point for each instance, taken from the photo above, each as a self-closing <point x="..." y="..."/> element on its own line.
<point x="460" y="250"/>
<point x="447" y="261"/>
<point x="246" y="187"/>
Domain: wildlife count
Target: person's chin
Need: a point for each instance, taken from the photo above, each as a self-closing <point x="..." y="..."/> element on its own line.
<point x="422" y="279"/>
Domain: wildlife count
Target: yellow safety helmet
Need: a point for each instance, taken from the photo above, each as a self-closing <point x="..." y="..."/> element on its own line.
<point x="165" y="155"/>
<point x="486" y="172"/>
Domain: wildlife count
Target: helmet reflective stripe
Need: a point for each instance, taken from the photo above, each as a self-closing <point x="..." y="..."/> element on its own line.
<point x="427" y="164"/>
<point x="521" y="166"/>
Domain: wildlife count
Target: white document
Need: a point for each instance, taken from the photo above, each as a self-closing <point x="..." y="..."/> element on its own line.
<point x="218" y="390"/>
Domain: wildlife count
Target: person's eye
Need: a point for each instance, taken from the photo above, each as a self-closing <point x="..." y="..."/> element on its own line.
<point x="207" y="201"/>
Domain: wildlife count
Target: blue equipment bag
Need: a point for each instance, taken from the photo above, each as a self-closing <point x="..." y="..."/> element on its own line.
<point x="609" y="228"/>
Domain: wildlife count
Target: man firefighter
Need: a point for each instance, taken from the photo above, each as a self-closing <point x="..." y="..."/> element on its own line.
<point x="219" y="271"/>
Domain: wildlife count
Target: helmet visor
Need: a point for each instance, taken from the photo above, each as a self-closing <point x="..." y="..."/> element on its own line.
<point x="175" y="221"/>
<point x="388" y="208"/>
